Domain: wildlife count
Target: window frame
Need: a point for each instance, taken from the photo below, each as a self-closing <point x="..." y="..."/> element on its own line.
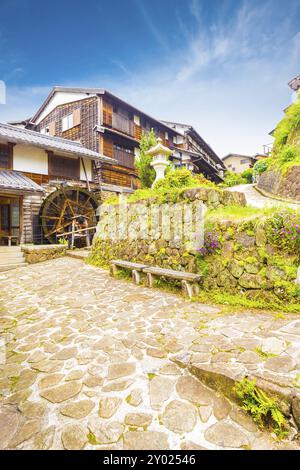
<point x="69" y="120"/>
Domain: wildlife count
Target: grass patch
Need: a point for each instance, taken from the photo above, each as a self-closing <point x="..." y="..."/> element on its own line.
<point x="237" y="213"/>
<point x="263" y="354"/>
<point x="239" y="300"/>
<point x="263" y="409"/>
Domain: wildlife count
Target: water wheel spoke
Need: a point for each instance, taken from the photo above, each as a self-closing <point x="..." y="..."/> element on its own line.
<point x="62" y="206"/>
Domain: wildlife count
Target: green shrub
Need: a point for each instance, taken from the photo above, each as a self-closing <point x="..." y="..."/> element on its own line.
<point x="286" y="126"/>
<point x="261" y="166"/>
<point x="233" y="179"/>
<point x="248" y="175"/>
<point x="179" y="178"/>
<point x="145" y="171"/>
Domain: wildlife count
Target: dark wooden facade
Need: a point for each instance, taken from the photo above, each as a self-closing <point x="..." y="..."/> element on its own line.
<point x="109" y="126"/>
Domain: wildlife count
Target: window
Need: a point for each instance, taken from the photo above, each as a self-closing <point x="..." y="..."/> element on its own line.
<point x="174" y="140"/>
<point x="137" y="120"/>
<point x="64" y="167"/>
<point x="45" y="130"/>
<point x="166" y="136"/>
<point x="5" y="157"/>
<point x="244" y="161"/>
<point x="67" y="122"/>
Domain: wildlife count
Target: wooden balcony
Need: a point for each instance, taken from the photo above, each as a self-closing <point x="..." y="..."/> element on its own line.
<point x="122" y="124"/>
<point x="124" y="158"/>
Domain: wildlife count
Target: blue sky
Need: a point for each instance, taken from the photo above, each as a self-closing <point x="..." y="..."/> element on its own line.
<point x="220" y="65"/>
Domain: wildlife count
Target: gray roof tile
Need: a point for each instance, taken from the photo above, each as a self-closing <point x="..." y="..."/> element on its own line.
<point x="14" y="180"/>
<point x="57" y="144"/>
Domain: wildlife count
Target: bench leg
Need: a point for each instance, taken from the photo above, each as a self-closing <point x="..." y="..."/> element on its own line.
<point x="149" y="280"/>
<point x="136" y="278"/>
<point x="195" y="290"/>
<point x="113" y="270"/>
<point x="187" y="289"/>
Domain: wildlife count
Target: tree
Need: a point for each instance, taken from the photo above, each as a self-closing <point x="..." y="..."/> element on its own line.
<point x="145" y="170"/>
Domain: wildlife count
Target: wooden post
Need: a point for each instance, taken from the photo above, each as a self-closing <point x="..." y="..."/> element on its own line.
<point x="149" y="280"/>
<point x="85" y="173"/>
<point x="135" y="276"/>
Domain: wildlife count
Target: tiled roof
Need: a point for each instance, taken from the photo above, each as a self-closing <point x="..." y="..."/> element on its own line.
<point x="56" y="144"/>
<point x="14" y="180"/>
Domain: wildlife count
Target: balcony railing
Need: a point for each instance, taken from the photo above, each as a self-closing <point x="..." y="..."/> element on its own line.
<point x="124" y="158"/>
<point x="122" y="124"/>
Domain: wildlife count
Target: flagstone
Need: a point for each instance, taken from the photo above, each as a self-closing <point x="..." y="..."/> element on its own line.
<point x="74" y="437"/>
<point x="133" y="348"/>
<point x="108" y="406"/>
<point x="115" y="371"/>
<point x="226" y="434"/>
<point x="170" y="369"/>
<point x="205" y="412"/>
<point x="160" y="389"/>
<point x="25" y="432"/>
<point x="47" y="366"/>
<point x="32" y="409"/>
<point x="179" y="417"/>
<point x="74" y="375"/>
<point x="50" y="380"/>
<point x="192" y="390"/>
<point x="105" y="433"/>
<point x="93" y="381"/>
<point x="61" y="392"/>
<point x="145" y="440"/>
<point x="135" y="398"/>
<point x="18" y="397"/>
<point x="10" y="420"/>
<point x="65" y="354"/>
<point x="138" y="420"/>
<point x="44" y="439"/>
<point x="77" y="410"/>
<point x="117" y="385"/>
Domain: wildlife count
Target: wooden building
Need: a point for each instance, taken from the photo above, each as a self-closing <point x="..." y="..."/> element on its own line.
<point x="44" y="182"/>
<point x="111" y="127"/>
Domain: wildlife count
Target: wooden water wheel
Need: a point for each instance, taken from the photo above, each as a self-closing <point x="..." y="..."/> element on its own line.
<point x="60" y="208"/>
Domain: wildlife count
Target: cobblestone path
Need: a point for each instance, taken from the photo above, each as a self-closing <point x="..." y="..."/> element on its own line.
<point x="88" y="363"/>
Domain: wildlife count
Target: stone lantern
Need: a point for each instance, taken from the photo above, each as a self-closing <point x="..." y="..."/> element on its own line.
<point x="160" y="161"/>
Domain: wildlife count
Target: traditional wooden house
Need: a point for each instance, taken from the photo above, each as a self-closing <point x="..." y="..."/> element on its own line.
<point x="44" y="182"/>
<point x="108" y="125"/>
<point x="192" y="150"/>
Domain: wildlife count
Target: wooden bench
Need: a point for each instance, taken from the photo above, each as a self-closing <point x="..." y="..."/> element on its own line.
<point x="10" y="238"/>
<point x="136" y="268"/>
<point x="189" y="281"/>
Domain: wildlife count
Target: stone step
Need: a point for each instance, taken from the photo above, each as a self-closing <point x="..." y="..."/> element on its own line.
<point x="8" y="267"/>
<point x="10" y="249"/>
<point x="11" y="260"/>
<point x="78" y="254"/>
<point x="11" y="255"/>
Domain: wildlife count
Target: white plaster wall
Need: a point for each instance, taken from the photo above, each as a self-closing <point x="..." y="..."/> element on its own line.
<point x="235" y="163"/>
<point x="61" y="98"/>
<point x="30" y="159"/>
<point x="88" y="167"/>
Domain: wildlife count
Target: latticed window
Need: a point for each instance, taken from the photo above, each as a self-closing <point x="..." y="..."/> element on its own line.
<point x="5" y="157"/>
<point x="64" y="167"/>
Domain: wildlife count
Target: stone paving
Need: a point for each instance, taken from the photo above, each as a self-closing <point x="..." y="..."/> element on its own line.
<point x="89" y="363"/>
<point x="256" y="199"/>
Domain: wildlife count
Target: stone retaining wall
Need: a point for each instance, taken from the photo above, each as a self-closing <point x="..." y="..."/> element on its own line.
<point x="246" y="261"/>
<point x="37" y="253"/>
<point x="286" y="186"/>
